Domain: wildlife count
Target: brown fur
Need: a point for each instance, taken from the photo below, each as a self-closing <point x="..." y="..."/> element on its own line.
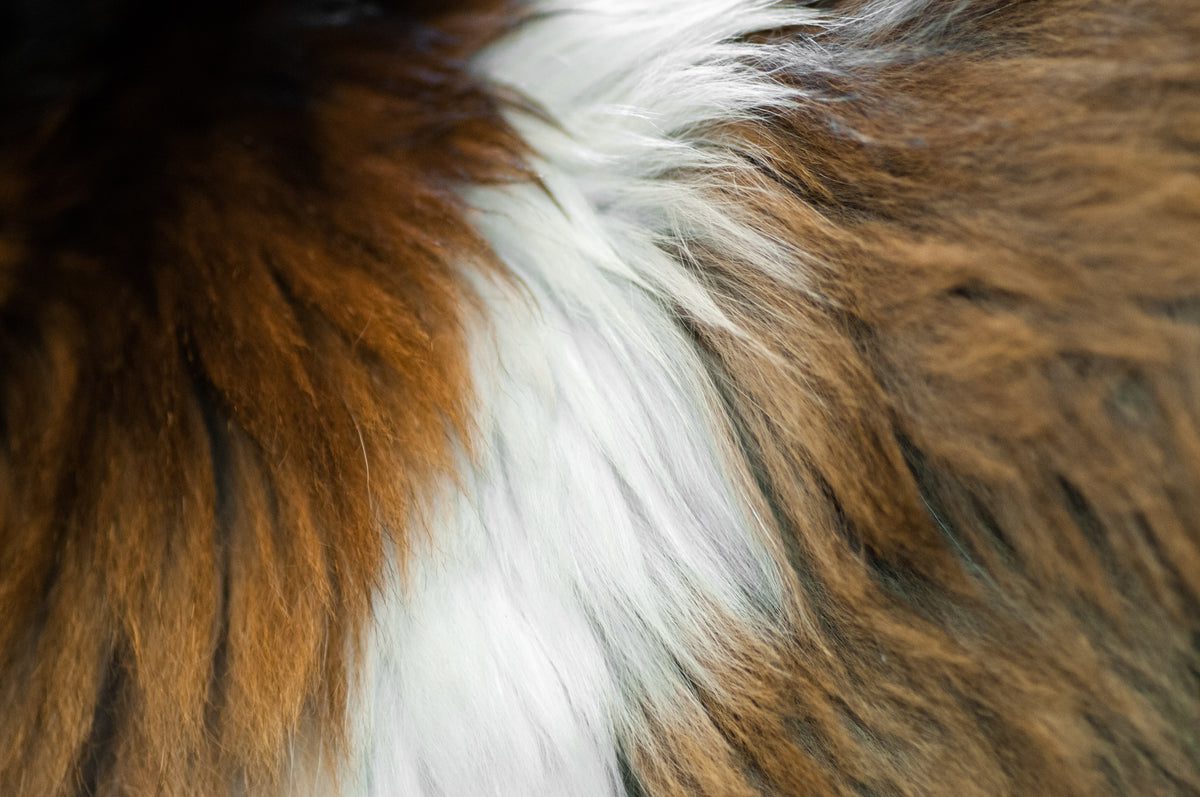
<point x="978" y="424"/>
<point x="229" y="355"/>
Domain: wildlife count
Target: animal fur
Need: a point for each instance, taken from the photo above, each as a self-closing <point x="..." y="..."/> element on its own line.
<point x="601" y="397"/>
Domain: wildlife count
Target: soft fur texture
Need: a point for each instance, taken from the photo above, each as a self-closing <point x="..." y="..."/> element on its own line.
<point x="232" y="355"/>
<point x="626" y="397"/>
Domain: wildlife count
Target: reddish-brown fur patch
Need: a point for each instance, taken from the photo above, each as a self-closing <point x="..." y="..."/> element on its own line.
<point x="229" y="356"/>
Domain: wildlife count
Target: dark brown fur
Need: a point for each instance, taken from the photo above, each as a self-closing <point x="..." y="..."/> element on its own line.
<point x="229" y="354"/>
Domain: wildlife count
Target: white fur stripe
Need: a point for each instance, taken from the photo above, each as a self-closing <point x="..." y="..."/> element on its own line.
<point x="577" y="578"/>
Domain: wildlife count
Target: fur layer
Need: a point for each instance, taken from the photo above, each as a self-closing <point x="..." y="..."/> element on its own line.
<point x="759" y="398"/>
